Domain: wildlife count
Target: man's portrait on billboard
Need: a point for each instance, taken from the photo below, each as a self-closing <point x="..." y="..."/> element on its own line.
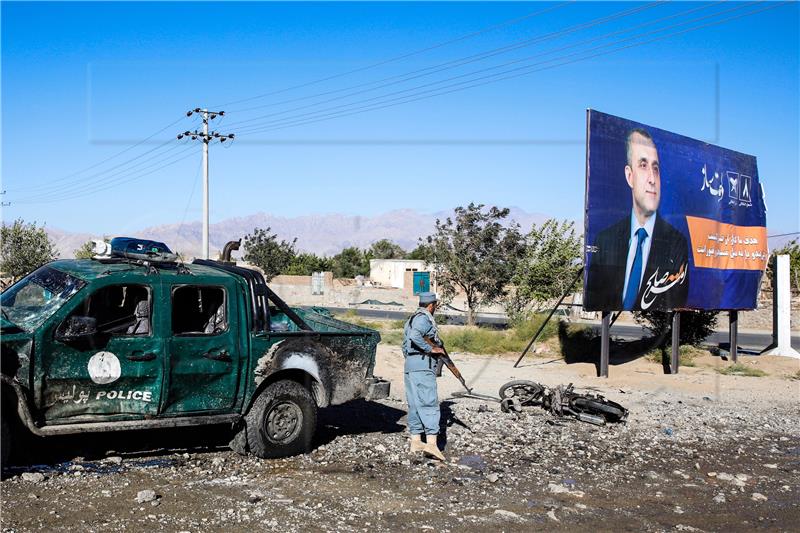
<point x="640" y="262"/>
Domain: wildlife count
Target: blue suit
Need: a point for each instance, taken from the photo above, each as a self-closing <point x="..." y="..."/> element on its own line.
<point x="420" y="374"/>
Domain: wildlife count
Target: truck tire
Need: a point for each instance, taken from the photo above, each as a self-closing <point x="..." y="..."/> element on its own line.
<point x="281" y="421"/>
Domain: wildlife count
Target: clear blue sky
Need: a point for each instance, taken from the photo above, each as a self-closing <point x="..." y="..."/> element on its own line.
<point x="82" y="81"/>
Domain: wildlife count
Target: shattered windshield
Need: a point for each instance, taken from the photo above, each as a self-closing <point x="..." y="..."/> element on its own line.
<point x="31" y="301"/>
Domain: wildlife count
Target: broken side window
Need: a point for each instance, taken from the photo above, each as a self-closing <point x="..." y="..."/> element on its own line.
<point x="199" y="310"/>
<point x="118" y="309"/>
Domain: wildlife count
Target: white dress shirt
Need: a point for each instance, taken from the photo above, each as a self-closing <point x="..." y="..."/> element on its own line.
<point x="632" y="242"/>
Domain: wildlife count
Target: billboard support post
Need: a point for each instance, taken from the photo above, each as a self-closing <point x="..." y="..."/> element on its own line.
<point x="604" y="342"/>
<point x="733" y="320"/>
<point x="676" y="342"/>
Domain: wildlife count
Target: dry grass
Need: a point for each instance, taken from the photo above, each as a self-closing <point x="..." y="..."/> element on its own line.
<point x="471" y="339"/>
<point x="739" y="369"/>
<point x="686" y="355"/>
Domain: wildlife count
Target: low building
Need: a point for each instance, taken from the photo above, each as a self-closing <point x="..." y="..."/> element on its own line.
<point x="413" y="275"/>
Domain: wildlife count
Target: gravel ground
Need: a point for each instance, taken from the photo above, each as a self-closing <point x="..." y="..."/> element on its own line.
<point x="689" y="459"/>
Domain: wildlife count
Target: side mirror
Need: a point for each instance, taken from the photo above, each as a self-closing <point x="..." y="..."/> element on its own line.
<point x="76" y="327"/>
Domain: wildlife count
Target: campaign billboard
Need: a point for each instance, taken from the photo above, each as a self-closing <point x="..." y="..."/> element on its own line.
<point x="670" y="222"/>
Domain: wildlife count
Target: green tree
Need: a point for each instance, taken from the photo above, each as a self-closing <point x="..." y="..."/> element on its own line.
<point x="86" y="251"/>
<point x="386" y="249"/>
<point x="475" y="253"/>
<point x="792" y="249"/>
<point x="695" y="326"/>
<point x="550" y="262"/>
<point x="263" y="250"/>
<point x="420" y="252"/>
<point x="350" y="262"/>
<point x="304" y="264"/>
<point x="24" y="248"/>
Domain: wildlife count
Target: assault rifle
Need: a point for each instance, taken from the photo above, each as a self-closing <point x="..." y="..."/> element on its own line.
<point x="443" y="359"/>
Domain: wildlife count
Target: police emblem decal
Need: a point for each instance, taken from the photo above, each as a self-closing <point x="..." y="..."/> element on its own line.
<point x="104" y="368"/>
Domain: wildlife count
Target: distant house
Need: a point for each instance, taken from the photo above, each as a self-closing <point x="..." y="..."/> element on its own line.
<point x="413" y="275"/>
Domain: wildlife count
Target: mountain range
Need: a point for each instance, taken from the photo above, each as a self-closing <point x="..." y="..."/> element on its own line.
<point x="322" y="234"/>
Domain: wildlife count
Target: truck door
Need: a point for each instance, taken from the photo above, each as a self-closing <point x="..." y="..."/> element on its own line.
<point x="116" y="370"/>
<point x="204" y="351"/>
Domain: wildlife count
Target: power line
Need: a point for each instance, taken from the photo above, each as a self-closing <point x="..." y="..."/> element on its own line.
<point x="99" y="176"/>
<point x="103" y="177"/>
<point x="120" y="178"/>
<point x="500" y="76"/>
<point x="191" y="195"/>
<point x="289" y="120"/>
<point x="783" y="234"/>
<point x="99" y="163"/>
<point x="401" y="57"/>
<point x="128" y="175"/>
<point x="447" y="65"/>
<point x="134" y="177"/>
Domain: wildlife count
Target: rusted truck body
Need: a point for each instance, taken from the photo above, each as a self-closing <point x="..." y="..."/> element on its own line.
<point x="106" y="345"/>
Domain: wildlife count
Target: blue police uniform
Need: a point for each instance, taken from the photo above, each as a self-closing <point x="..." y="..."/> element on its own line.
<point x="420" y="371"/>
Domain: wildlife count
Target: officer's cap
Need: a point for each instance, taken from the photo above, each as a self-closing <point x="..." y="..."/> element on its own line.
<point x="426" y="298"/>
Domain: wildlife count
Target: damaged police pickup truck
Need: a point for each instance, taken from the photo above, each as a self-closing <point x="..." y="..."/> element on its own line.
<point x="136" y="339"/>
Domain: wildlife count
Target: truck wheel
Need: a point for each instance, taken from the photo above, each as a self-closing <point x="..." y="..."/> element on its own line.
<point x="282" y="421"/>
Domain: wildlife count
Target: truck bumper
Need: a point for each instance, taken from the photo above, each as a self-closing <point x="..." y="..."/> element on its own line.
<point x="377" y="388"/>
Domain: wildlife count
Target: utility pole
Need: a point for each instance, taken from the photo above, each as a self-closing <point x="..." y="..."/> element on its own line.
<point x="207" y="137"/>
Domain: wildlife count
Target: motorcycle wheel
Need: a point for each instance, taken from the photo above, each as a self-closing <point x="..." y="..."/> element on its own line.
<point x="527" y="392"/>
<point x="608" y="410"/>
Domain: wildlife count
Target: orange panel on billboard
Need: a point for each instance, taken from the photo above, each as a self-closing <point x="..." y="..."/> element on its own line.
<point x="726" y="246"/>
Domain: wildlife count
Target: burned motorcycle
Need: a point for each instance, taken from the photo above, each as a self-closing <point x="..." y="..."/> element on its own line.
<point x="560" y="401"/>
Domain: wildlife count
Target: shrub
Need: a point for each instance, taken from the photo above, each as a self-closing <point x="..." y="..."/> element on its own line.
<point x="696" y="326"/>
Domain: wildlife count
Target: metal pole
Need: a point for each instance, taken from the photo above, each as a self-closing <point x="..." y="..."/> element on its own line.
<point x="604" y="342"/>
<point x="676" y="342"/>
<point x="733" y="332"/>
<point x="541" y="328"/>
<point x="205" y="184"/>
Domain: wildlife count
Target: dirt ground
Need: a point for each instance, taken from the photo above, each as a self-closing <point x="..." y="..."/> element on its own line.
<point x="701" y="451"/>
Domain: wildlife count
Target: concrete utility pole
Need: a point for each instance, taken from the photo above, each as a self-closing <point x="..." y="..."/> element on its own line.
<point x="781" y="310"/>
<point x="207" y="137"/>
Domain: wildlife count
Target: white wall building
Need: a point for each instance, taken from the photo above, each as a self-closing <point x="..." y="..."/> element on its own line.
<point x="392" y="272"/>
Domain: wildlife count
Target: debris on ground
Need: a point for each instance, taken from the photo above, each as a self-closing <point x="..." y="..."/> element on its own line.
<point x="561" y="401"/>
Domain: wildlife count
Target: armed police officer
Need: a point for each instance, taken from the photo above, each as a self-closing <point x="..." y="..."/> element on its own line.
<point x="421" y="346"/>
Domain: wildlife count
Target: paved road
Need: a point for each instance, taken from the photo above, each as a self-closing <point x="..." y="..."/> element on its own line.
<point x="390" y="314"/>
<point x="748" y="341"/>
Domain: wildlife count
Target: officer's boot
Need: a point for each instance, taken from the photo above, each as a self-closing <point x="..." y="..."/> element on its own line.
<point x="416" y="443"/>
<point x="431" y="448"/>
